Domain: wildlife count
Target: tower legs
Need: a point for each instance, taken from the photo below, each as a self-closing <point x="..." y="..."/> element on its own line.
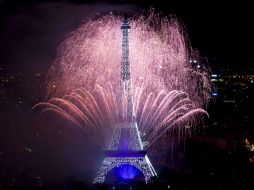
<point x="142" y="163"/>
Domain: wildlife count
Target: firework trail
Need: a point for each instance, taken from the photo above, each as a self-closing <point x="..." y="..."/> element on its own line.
<point x="168" y="89"/>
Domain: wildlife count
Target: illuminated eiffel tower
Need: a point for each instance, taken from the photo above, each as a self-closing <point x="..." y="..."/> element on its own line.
<point x="126" y="147"/>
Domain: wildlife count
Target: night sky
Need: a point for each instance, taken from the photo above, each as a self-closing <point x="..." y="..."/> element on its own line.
<point x="30" y="34"/>
<point x="222" y="31"/>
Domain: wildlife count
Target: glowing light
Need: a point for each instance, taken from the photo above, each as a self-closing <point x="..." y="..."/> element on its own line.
<point x="86" y="76"/>
<point x="28" y="149"/>
<point x="128" y="171"/>
<point x="112" y="162"/>
<point x="249" y="147"/>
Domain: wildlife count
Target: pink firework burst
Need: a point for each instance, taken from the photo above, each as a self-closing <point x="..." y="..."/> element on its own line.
<point x="170" y="82"/>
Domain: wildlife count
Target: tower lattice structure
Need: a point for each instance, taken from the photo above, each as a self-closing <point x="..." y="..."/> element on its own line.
<point x="127" y="99"/>
<point x="126" y="146"/>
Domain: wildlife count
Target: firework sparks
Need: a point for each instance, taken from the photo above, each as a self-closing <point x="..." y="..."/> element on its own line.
<point x="167" y="89"/>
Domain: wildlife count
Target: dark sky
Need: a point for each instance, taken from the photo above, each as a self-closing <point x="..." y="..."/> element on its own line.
<point x="30" y="34"/>
<point x="222" y="31"/>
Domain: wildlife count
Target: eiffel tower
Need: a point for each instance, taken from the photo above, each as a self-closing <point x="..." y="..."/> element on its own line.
<point x="126" y="146"/>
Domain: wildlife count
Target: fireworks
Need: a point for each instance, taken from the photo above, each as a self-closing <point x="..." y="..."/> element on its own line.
<point x="168" y="91"/>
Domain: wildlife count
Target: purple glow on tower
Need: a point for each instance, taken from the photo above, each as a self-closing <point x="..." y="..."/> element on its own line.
<point x="128" y="171"/>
